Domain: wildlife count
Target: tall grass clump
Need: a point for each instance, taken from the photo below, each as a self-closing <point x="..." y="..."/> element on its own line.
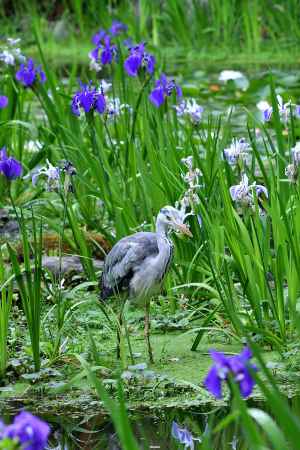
<point x="5" y="308"/>
<point x="253" y="28"/>
<point x="133" y="158"/>
<point x="29" y="280"/>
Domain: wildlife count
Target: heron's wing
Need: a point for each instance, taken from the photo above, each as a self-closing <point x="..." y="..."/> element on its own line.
<point x="124" y="258"/>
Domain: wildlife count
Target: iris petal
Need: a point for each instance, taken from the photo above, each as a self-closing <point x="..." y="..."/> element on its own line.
<point x="3" y="101"/>
<point x="11" y="168"/>
<point x="132" y="64"/>
<point x="218" y="357"/>
<point x="246" y="384"/>
<point x="157" y="97"/>
<point x="213" y="383"/>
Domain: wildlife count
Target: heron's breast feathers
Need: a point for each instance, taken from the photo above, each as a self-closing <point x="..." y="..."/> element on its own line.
<point x="125" y="260"/>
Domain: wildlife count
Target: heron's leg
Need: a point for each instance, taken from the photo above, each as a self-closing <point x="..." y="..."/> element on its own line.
<point x="121" y="321"/>
<point x="147" y="330"/>
<point x="128" y="342"/>
<point x="119" y="331"/>
<point x="119" y="328"/>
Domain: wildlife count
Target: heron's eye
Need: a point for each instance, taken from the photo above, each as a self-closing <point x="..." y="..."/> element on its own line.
<point x="168" y="217"/>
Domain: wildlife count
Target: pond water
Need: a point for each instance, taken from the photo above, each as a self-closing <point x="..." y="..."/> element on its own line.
<point x="224" y="97"/>
<point x="153" y="432"/>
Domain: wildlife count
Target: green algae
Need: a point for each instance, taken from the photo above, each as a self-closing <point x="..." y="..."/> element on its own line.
<point x="177" y="381"/>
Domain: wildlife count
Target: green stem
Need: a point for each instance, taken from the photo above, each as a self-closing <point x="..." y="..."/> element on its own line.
<point x="60" y="317"/>
<point x="137" y="106"/>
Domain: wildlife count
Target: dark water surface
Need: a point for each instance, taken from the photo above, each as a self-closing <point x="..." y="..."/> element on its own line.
<point x="97" y="433"/>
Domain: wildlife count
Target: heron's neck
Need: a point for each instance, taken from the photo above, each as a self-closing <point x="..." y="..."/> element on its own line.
<point x="163" y="241"/>
<point x="165" y="250"/>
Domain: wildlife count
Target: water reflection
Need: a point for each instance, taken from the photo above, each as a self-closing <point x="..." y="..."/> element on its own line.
<point x="97" y="433"/>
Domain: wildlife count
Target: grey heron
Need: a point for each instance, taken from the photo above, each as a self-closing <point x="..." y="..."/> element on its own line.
<point x="137" y="264"/>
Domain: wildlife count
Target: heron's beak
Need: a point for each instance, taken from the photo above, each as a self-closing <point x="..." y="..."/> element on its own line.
<point x="184" y="229"/>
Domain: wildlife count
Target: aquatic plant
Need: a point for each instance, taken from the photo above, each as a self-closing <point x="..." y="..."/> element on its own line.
<point x="139" y="59"/>
<point x="29" y="285"/>
<point x="29" y="74"/>
<point x="98" y="37"/>
<point x="163" y="89"/>
<point x="105" y="51"/>
<point x="227" y="75"/>
<point x="193" y="174"/>
<point x="89" y="99"/>
<point x="237" y="151"/>
<point x="5" y="308"/>
<point x="114" y="107"/>
<point x="10" y="167"/>
<point x="296" y="154"/>
<point x="51" y="172"/>
<point x="190" y="199"/>
<point x="26" y="431"/>
<point x="284" y="109"/>
<point x="104" y="86"/>
<point x="243" y="192"/>
<point x="117" y="28"/>
<point x="292" y="170"/>
<point x="236" y="368"/>
<point x="10" y="54"/>
<point x="190" y="108"/>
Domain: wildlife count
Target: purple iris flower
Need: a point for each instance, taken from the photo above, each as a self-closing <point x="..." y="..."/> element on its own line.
<point x="117" y="28"/>
<point x="267" y="113"/>
<point x="138" y="59"/>
<point x="237" y="151"/>
<point x="190" y="108"/>
<point x="9" y="166"/>
<point x="243" y="192"/>
<point x="3" y="101"/>
<point x="237" y="366"/>
<point x="29" y="73"/>
<point x="99" y="37"/>
<point x="107" y="50"/>
<point x="30" y="431"/>
<point x="89" y="99"/>
<point x="296" y="154"/>
<point x="51" y="172"/>
<point x="163" y="89"/>
<point x="2" y="429"/>
<point x="183" y="436"/>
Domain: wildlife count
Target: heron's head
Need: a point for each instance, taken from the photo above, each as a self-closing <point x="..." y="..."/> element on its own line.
<point x="173" y="219"/>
